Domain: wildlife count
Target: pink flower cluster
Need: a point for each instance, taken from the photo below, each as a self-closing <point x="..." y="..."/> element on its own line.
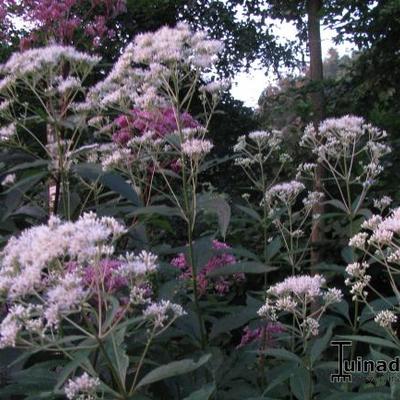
<point x="106" y="273"/>
<point x="255" y="335"/>
<point x="219" y="285"/>
<point x="159" y="121"/>
<point x="61" y="19"/>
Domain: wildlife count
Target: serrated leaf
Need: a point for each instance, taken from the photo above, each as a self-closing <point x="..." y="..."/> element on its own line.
<point x="233" y="321"/>
<point x="202" y="394"/>
<point x="172" y="369"/>
<point x="250" y="212"/>
<point x="160" y="210"/>
<point x="246" y="267"/>
<point x="320" y="345"/>
<point x="300" y="384"/>
<point x="111" y="180"/>
<point x="338" y="204"/>
<point x="284" y="354"/>
<point x="218" y="205"/>
<point x="370" y="340"/>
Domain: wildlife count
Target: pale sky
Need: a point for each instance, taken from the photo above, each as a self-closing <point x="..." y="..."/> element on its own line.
<point x="249" y="86"/>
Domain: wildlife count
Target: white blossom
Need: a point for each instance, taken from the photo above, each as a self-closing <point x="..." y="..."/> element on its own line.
<point x="162" y="312"/>
<point x="196" y="147"/>
<point x="82" y="387"/>
<point x="385" y="318"/>
<point x="8" y="180"/>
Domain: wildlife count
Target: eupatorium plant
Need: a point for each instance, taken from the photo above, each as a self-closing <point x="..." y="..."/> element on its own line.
<point x="66" y="291"/>
<point x="304" y="297"/>
<point x="378" y="244"/>
<point x="143" y="105"/>
<point x="351" y="151"/>
<point x="37" y="92"/>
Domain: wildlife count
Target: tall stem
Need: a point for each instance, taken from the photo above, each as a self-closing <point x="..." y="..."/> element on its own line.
<point x="190" y="212"/>
<point x="193" y="268"/>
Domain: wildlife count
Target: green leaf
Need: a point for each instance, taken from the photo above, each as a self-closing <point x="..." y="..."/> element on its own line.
<point x="233" y="321"/>
<point x="112" y="311"/>
<point x="213" y="163"/>
<point x="202" y="394"/>
<point x="370" y="340"/>
<point x="111" y="180"/>
<point x="160" y="210"/>
<point x="12" y="196"/>
<point x="274" y="247"/>
<point x="300" y="384"/>
<point x="116" y="351"/>
<point x="342" y="308"/>
<point x="173" y="369"/>
<point x="282" y="377"/>
<point x="320" y="345"/>
<point x="283" y="354"/>
<point x="218" y="205"/>
<point x="28" y="165"/>
<point x="24" y="184"/>
<point x="250" y="212"/>
<point x="338" y="204"/>
<point x="247" y="267"/>
<point x="348" y="254"/>
<point x="202" y="251"/>
<point x="79" y="358"/>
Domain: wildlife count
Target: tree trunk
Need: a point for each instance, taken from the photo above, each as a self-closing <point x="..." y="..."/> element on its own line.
<point x="318" y="105"/>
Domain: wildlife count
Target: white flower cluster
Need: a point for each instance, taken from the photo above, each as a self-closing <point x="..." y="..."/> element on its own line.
<point x="68" y="84"/>
<point x="358" y="241"/>
<point x="82" y="387"/>
<point x="114" y="156"/>
<point x="383" y="231"/>
<point x="66" y="295"/>
<point x="162" y="52"/>
<point x="270" y="138"/>
<point x="310" y="327"/>
<point x="5" y="105"/>
<point x="285" y="193"/>
<point x="196" y="148"/>
<point x="34" y="63"/>
<point x="299" y="295"/>
<point x="54" y="270"/>
<point x="17" y="318"/>
<point x="358" y="280"/>
<point x="176" y="45"/>
<point x="8" y="180"/>
<point x="25" y="257"/>
<point x="383" y="203"/>
<point x="349" y="139"/>
<point x="215" y="87"/>
<point x="258" y="146"/>
<point x="34" y="263"/>
<point x="7" y="132"/>
<point x="163" y="312"/>
<point x="312" y="199"/>
<point x="142" y="264"/>
<point x="385" y="319"/>
<point x="306" y="170"/>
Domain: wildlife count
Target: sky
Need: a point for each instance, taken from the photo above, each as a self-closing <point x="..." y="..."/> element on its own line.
<point x="248" y="87"/>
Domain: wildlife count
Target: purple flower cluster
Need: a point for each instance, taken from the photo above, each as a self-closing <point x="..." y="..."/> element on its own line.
<point x="255" y="335"/>
<point x="219" y="285"/>
<point x="62" y="19"/>
<point x="159" y="121"/>
<point x="102" y="274"/>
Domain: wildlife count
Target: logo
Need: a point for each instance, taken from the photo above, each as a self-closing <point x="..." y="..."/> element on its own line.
<point x="346" y="368"/>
